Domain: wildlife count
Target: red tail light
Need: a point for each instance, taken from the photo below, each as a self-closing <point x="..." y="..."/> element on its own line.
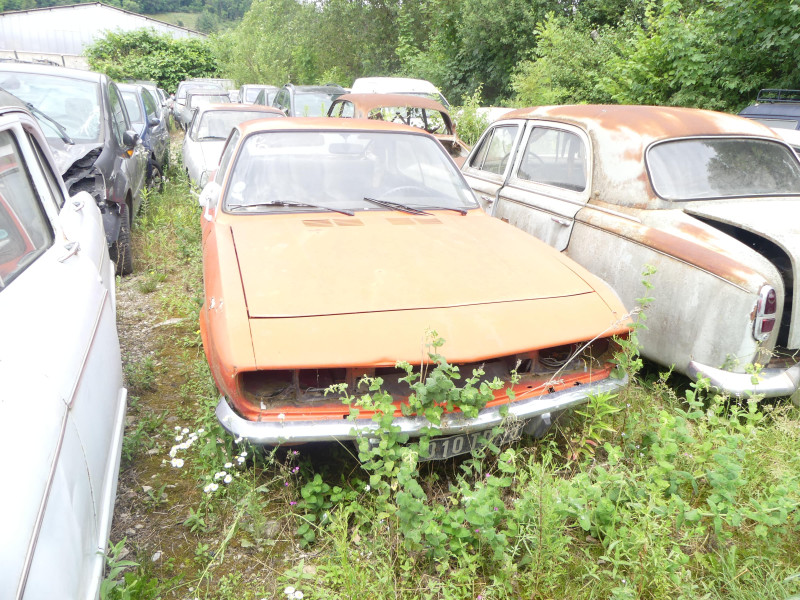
<point x="766" y="313"/>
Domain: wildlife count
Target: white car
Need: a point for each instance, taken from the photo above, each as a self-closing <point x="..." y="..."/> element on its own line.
<point x="62" y="400"/>
<point x="208" y="130"/>
<point x="398" y="85"/>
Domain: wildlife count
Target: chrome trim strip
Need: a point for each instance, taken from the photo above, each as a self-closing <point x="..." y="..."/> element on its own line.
<point x="772" y="383"/>
<point x="26" y="565"/>
<point x="278" y="432"/>
<point x="92" y="338"/>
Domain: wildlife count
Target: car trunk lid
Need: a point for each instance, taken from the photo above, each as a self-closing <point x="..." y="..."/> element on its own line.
<point x="770" y="219"/>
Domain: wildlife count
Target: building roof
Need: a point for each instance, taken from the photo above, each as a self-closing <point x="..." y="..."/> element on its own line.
<point x="69" y="29"/>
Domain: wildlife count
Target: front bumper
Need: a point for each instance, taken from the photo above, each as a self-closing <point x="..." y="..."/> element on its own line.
<point x="769" y="383"/>
<point x="273" y="433"/>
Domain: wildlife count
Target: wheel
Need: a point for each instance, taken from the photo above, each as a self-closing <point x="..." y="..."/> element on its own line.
<point x="156" y="181"/>
<point x="120" y="252"/>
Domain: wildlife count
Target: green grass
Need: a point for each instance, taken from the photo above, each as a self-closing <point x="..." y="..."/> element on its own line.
<point x="655" y="493"/>
<point x="183" y="19"/>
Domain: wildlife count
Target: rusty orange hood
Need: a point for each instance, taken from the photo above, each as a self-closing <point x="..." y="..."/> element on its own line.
<point x="320" y="264"/>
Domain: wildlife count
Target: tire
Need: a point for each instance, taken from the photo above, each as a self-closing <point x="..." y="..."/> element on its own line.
<point x="120" y="252"/>
<point x="156" y="183"/>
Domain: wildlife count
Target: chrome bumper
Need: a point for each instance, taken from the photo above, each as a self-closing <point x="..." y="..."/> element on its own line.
<point x="272" y="433"/>
<point x="769" y="383"/>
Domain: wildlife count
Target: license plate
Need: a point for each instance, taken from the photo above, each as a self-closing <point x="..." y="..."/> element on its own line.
<point x="442" y="448"/>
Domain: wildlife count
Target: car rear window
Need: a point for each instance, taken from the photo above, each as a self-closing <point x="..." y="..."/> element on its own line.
<point x="706" y="168"/>
<point x="217" y="124"/>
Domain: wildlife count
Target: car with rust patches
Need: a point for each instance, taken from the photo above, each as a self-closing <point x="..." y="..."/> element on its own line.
<point x="330" y="248"/>
<point x="90" y="133"/>
<point x="699" y="196"/>
<point x="210" y="127"/>
<point x="407" y="109"/>
<point x="60" y="373"/>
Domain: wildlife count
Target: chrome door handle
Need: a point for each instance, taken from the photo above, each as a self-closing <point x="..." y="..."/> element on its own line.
<point x="562" y="222"/>
<point x="487" y="199"/>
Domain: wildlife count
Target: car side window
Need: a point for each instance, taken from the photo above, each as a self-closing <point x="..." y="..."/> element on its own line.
<point x="227" y="154"/>
<point x="118" y="120"/>
<point x="25" y="231"/>
<point x="149" y="105"/>
<point x="495" y="149"/>
<point x="554" y="157"/>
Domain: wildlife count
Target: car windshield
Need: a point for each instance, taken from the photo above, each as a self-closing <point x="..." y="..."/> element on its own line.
<point x="131" y="100"/>
<point x="183" y="90"/>
<point x="344" y="170"/>
<point x="217" y="124"/>
<point x="201" y="100"/>
<point x="704" y="168"/>
<point x="73" y="103"/>
<point x="250" y="94"/>
<point x="313" y="104"/>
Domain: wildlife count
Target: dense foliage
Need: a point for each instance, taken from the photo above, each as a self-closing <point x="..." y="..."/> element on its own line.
<point x="712" y="54"/>
<point x="145" y="54"/>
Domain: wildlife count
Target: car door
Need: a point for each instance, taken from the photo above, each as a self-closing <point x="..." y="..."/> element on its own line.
<point x="487" y="167"/>
<point x="548" y="183"/>
<point x="60" y="350"/>
<point x="158" y="133"/>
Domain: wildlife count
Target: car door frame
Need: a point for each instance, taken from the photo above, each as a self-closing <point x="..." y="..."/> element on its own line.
<point x="487" y="184"/>
<point x="545" y="211"/>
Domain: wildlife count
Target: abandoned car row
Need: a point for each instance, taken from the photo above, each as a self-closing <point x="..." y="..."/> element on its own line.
<point x="341" y="229"/>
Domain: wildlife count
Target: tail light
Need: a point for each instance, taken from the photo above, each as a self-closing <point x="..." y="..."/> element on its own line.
<point x="766" y="313"/>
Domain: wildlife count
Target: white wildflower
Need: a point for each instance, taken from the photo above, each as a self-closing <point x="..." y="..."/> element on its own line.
<point x="367" y="488"/>
<point x="178" y="438"/>
<point x="173" y="451"/>
<point x="219" y="475"/>
<point x="185" y="430"/>
<point x="177" y="462"/>
<point x="227" y="479"/>
<point x="228" y="465"/>
<point x="288" y="590"/>
<point x="281" y="417"/>
<point x="211" y="487"/>
<point x="201" y="431"/>
<point x="298" y="595"/>
<point x="177" y="427"/>
<point x="238" y="439"/>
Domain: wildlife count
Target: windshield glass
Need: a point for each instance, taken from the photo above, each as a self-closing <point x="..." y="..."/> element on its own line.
<point x="313" y="104"/>
<point x="217" y="124"/>
<point x="75" y="104"/>
<point x="185" y="88"/>
<point x="131" y="100"/>
<point x="250" y="94"/>
<point x="430" y="120"/>
<point x="338" y="169"/>
<point x="195" y="101"/>
<point x="697" y="169"/>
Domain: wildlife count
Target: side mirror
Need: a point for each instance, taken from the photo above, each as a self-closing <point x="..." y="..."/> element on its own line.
<point x="129" y="140"/>
<point x="209" y="197"/>
<point x="203" y="179"/>
<point x="154" y="122"/>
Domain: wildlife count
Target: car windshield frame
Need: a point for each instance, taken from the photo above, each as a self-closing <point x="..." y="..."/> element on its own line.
<point x="135" y="102"/>
<point x="679" y="168"/>
<point x="304" y="100"/>
<point x="337" y="170"/>
<point x="50" y="97"/>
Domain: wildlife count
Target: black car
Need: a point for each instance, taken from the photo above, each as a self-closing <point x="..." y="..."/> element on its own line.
<point x="779" y="109"/>
<point x="90" y="134"/>
<point x="146" y="117"/>
<point x="306" y="100"/>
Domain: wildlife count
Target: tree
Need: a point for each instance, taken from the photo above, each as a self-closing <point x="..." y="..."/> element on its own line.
<point x="146" y="54"/>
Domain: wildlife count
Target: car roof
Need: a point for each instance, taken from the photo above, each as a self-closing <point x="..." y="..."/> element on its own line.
<point x="394" y="84"/>
<point x="51" y="70"/>
<point x="326" y="124"/>
<point x="772" y="109"/>
<point x="316" y="88"/>
<point x="369" y="101"/>
<point x="645" y="123"/>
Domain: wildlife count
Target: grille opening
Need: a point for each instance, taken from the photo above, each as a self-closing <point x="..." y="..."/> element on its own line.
<point x="777" y="257"/>
<point x="273" y="389"/>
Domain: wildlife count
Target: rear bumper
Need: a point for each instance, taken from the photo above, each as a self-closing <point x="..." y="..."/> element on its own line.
<point x="769" y="383"/>
<point x="272" y="433"/>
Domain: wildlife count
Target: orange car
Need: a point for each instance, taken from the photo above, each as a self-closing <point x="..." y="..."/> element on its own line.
<point x="330" y="248"/>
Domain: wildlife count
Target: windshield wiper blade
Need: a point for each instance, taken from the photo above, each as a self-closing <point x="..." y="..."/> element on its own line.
<point x="461" y="211"/>
<point x="343" y="211"/>
<point x="59" y="127"/>
<point x="397" y="206"/>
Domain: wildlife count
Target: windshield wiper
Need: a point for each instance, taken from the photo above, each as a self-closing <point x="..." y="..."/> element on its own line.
<point x="397" y="206"/>
<point x="414" y="210"/>
<point x="349" y="213"/>
<point x="211" y="137"/>
<point x="59" y="127"/>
